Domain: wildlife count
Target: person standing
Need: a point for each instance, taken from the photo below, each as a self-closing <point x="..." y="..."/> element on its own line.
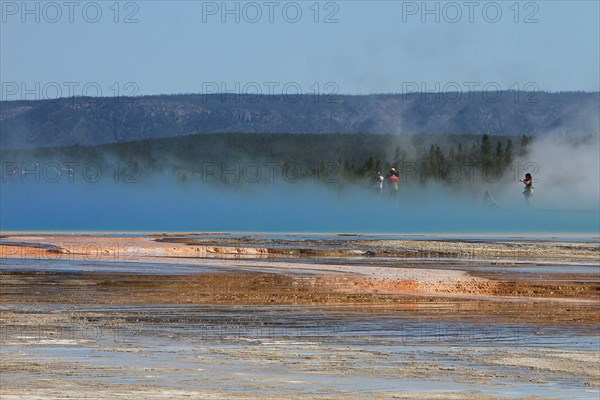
<point x="528" y="182"/>
<point x="378" y="183"/>
<point x="394" y="184"/>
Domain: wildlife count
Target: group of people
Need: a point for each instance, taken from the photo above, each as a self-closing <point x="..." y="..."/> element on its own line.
<point x="393" y="179"/>
<point x="393" y="182"/>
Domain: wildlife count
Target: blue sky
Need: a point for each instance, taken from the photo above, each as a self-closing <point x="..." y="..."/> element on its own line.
<point x="50" y="49"/>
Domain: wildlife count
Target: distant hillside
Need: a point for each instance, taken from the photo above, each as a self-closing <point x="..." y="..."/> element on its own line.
<point x="94" y="121"/>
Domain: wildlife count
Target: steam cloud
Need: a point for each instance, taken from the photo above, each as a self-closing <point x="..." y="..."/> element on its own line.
<point x="565" y="202"/>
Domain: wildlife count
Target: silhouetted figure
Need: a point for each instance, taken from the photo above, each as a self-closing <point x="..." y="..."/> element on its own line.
<point x="394" y="184"/>
<point x="528" y="182"/>
<point x="378" y="183"/>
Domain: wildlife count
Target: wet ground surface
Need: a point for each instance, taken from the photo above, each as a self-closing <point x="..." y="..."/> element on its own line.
<point x="283" y="326"/>
<point x="233" y="352"/>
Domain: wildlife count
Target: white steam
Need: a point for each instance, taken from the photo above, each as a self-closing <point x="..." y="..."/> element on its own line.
<point x="566" y="172"/>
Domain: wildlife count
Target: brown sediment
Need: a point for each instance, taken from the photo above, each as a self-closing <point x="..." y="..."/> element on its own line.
<point x="496" y="250"/>
<point x="275" y="282"/>
<point x="311" y="276"/>
<point x="518" y="250"/>
<point x="182" y="245"/>
<point x="506" y="301"/>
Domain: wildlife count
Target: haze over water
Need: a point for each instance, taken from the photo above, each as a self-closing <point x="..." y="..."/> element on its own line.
<point x="283" y="207"/>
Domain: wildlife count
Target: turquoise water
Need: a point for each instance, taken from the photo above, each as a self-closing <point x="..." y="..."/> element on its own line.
<point x="275" y="208"/>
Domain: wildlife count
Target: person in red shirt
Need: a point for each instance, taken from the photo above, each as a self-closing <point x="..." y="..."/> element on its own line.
<point x="394" y="184"/>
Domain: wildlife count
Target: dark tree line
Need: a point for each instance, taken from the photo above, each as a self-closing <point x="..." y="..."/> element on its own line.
<point x="345" y="157"/>
<point x="494" y="155"/>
